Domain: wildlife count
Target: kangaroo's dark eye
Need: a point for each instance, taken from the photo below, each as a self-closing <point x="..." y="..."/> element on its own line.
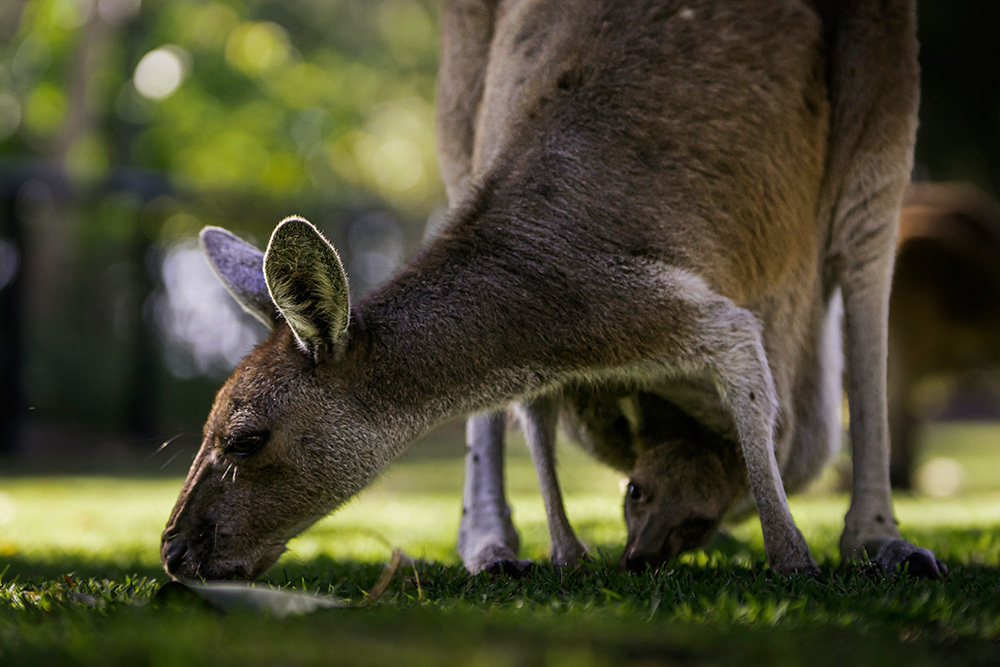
<point x="633" y="492"/>
<point x="244" y="444"/>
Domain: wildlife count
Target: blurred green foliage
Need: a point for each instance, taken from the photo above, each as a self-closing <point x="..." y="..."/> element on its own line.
<point x="127" y="125"/>
<point x="283" y="97"/>
<point x="264" y="95"/>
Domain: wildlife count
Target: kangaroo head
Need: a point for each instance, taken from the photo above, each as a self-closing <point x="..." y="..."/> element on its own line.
<point x="280" y="447"/>
<point x="685" y="480"/>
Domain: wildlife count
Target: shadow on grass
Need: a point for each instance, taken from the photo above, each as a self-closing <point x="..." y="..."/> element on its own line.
<point x="25" y="569"/>
<point x="967" y="552"/>
<point x="431" y="613"/>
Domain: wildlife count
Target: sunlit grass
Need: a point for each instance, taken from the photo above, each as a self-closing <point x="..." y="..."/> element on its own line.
<point x="80" y="566"/>
<point x="109" y="518"/>
<point x="416" y="507"/>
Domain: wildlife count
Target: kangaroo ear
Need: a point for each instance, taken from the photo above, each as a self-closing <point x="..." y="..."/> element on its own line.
<point x="632" y="412"/>
<point x="308" y="285"/>
<point x="240" y="267"/>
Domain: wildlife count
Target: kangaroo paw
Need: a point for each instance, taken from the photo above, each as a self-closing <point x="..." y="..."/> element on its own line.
<point x="569" y="555"/>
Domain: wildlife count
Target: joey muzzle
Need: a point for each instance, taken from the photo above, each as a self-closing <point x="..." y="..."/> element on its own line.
<point x="650" y="542"/>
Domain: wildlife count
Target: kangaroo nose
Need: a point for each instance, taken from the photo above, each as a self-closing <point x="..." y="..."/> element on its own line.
<point x="173" y="551"/>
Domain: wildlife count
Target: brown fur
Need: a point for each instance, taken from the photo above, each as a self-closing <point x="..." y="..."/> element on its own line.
<point x="944" y="314"/>
<point x="679" y="490"/>
<point x="684" y="478"/>
<point x="642" y="191"/>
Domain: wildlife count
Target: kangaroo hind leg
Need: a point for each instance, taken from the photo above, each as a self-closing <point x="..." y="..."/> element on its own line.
<point x="874" y="93"/>
<point x="487" y="539"/>
<point x="538" y="419"/>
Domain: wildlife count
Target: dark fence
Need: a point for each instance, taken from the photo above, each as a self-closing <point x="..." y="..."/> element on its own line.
<point x="113" y="333"/>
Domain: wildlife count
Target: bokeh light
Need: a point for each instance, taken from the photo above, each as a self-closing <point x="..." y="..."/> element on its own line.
<point x="117" y="12"/>
<point x="8" y="510"/>
<point x="940" y="477"/>
<point x="10" y="115"/>
<point x="254" y="47"/>
<point x="160" y="72"/>
<point x="204" y="330"/>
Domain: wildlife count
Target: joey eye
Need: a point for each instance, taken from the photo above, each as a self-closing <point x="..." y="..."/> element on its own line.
<point x="244" y="444"/>
<point x="633" y="492"/>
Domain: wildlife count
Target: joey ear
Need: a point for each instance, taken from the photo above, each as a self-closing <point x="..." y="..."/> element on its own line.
<point x="240" y="267"/>
<point x="632" y="412"/>
<point x="308" y="285"/>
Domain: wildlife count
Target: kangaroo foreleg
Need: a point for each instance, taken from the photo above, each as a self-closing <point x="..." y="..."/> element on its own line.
<point x="467" y="31"/>
<point x="726" y="341"/>
<point x="746" y="384"/>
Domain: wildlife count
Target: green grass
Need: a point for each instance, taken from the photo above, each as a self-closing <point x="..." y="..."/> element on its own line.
<point x="80" y="570"/>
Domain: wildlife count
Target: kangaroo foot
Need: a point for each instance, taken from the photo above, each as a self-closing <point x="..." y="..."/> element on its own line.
<point x="899" y="556"/>
<point x="797" y="567"/>
<point x="509" y="567"/>
<point x="496" y="559"/>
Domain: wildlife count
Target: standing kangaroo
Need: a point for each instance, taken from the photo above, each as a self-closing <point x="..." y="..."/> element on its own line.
<point x="642" y="191"/>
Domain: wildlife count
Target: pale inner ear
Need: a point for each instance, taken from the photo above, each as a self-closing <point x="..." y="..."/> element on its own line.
<point x="307" y="283"/>
<point x="629" y="406"/>
<point x="240" y="267"/>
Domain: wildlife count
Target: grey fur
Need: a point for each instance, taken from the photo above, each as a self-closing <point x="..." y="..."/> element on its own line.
<point x="307" y="282"/>
<point x="238" y="265"/>
<point x="642" y="192"/>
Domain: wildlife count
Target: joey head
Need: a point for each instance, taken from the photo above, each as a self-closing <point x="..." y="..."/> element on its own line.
<point x="684" y="480"/>
<point x="677" y="495"/>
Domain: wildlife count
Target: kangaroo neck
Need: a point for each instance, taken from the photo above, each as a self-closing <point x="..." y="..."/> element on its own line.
<point x="450" y="334"/>
<point x="506" y="302"/>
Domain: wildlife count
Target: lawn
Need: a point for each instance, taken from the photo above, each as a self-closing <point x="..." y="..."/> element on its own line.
<point x="80" y="572"/>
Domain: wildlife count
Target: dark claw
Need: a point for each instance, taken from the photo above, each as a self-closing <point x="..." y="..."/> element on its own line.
<point x="924" y="567"/>
<point x="917" y="562"/>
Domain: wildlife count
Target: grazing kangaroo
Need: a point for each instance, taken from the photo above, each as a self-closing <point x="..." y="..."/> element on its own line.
<point x="944" y="314"/>
<point x="643" y="192"/>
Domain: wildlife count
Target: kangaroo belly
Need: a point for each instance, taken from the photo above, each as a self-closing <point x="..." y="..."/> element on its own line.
<point x="711" y="152"/>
